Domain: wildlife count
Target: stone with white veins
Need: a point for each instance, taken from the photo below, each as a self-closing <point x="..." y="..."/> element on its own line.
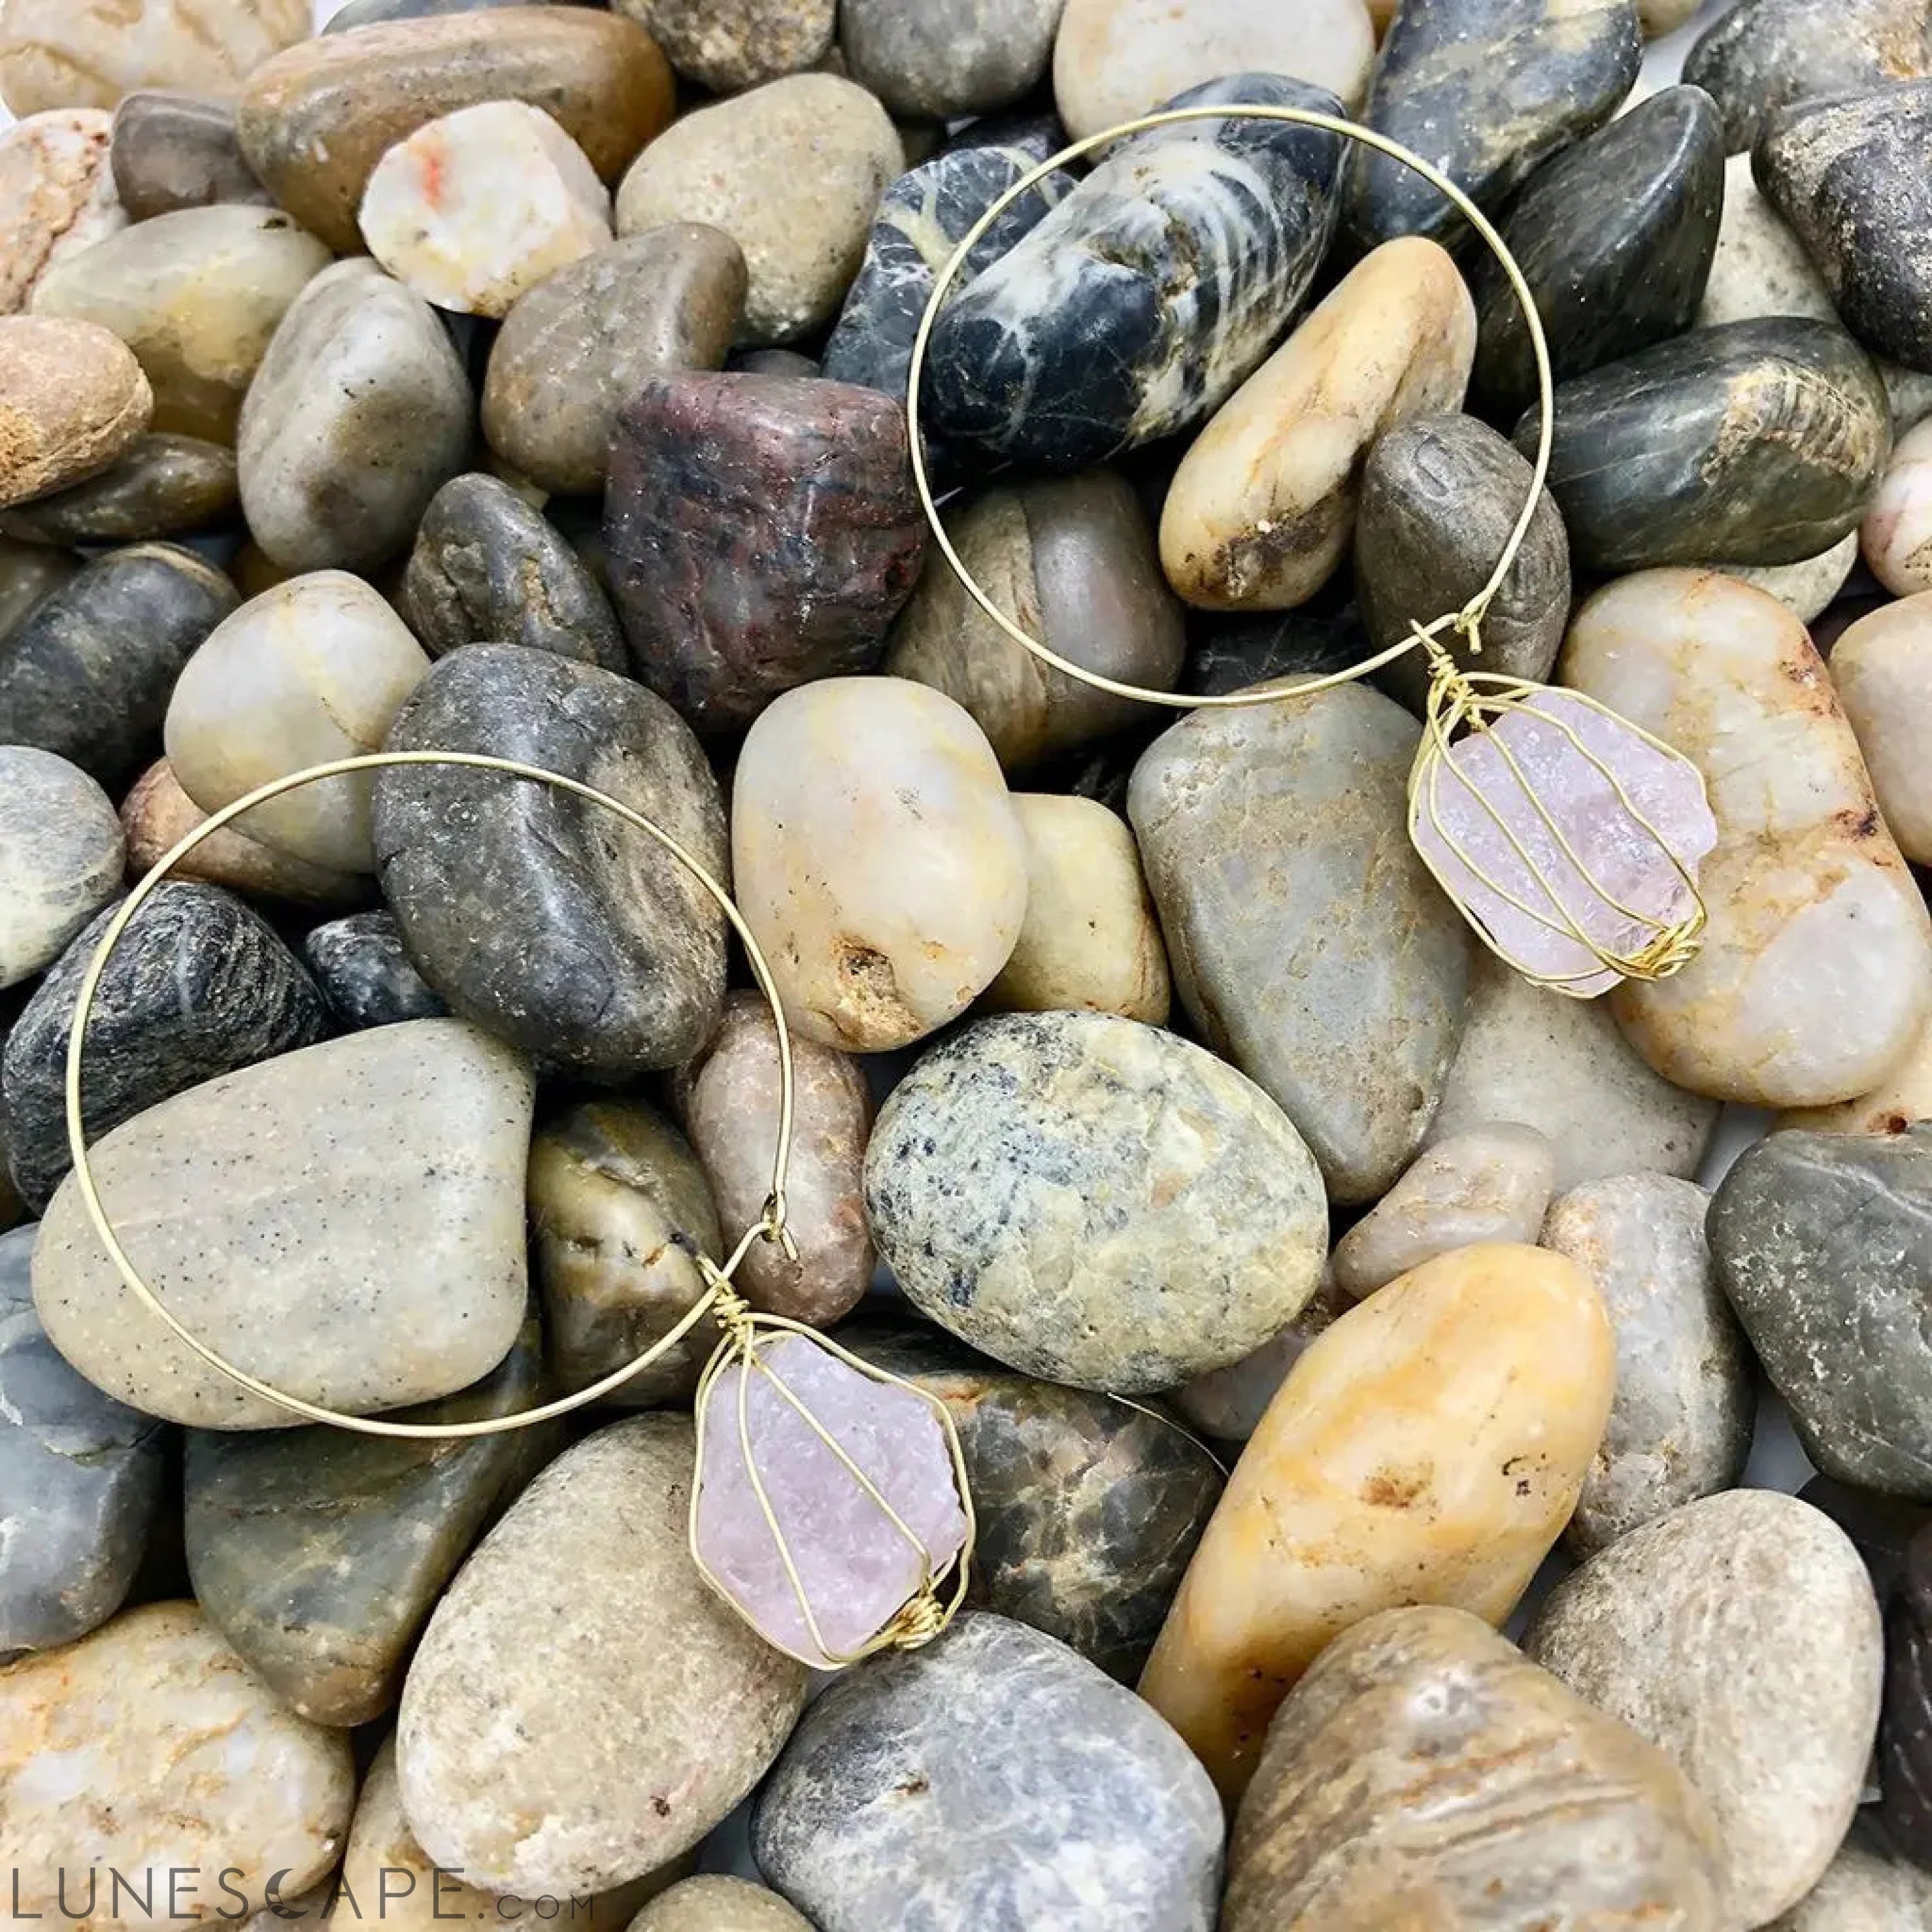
<point x="856" y="1566"/>
<point x="1505" y="802"/>
<point x="475" y="208"/>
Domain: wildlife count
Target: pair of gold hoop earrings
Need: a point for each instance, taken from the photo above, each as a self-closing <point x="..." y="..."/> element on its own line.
<point x="1543" y="876"/>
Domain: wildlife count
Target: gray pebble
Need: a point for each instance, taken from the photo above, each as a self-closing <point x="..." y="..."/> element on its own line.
<point x="60" y="855"/>
<point x="365" y="975"/>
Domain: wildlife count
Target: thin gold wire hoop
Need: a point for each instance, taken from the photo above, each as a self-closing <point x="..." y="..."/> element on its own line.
<point x="1468" y="620"/>
<point x="770" y="1226"/>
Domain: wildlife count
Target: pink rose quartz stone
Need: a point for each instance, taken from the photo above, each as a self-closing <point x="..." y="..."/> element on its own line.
<point x="857" y="1570"/>
<point x="1457" y="832"/>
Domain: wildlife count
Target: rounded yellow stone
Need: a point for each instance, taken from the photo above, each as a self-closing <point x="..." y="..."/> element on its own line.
<point x="1427" y="1448"/>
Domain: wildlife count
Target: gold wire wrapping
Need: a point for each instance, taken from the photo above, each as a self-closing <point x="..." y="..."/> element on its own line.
<point x="926" y="1614"/>
<point x="1458" y="701"/>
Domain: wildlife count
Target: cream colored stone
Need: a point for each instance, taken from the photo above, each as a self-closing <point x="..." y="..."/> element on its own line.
<point x="1883" y="668"/>
<point x="1816" y="970"/>
<point x="1489" y="1183"/>
<point x="72" y="400"/>
<point x="1740" y="1634"/>
<point x="157" y="813"/>
<point x="1263" y="506"/>
<point x="1562" y="1066"/>
<point x="1090" y="941"/>
<point x="1806" y="588"/>
<point x="1114" y="59"/>
<point x="196" y="295"/>
<point x="346" y="1222"/>
<point x="56" y="196"/>
<point x="1896" y="536"/>
<point x="792" y="172"/>
<point x="1427" y="1448"/>
<point x="878" y="858"/>
<point x="89" y="53"/>
<point x="315" y="669"/>
<point x="148" y="1748"/>
<point x="475" y="208"/>
<point x="719" y="1904"/>
<point x="1902" y="1097"/>
<point x="582" y="1708"/>
<point x="61" y="857"/>
<point x="1760" y="267"/>
<point x="1863" y="1890"/>
<point x="731" y="1112"/>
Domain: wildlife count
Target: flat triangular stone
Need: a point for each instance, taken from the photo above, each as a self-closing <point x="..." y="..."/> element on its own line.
<point x="346" y="1222"/>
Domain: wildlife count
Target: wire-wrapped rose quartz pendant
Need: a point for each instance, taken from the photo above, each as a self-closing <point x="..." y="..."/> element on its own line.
<point x="830" y="1502"/>
<point x="1568" y="837"/>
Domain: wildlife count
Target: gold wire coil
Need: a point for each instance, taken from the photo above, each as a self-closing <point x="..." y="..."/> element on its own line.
<point x="744" y="1331"/>
<point x="1467" y="622"/>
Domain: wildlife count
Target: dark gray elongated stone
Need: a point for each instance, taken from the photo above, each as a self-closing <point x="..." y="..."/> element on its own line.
<point x="173" y="151"/>
<point x="992" y="1782"/>
<point x="1762" y="54"/>
<point x="539" y="915"/>
<point x="760" y="532"/>
<point x="1615" y="237"/>
<point x="1850" y="177"/>
<point x="1905" y="1728"/>
<point x="1823" y="1243"/>
<point x="81" y="1476"/>
<point x="924" y="217"/>
<point x="487" y="568"/>
<point x="365" y="975"/>
<point x="1882" y="1527"/>
<point x="165" y="484"/>
<point x="1087" y="1509"/>
<point x="198" y="986"/>
<point x="1440" y="496"/>
<point x="1139" y="303"/>
<point x="1756" y="441"/>
<point x="319" y="1555"/>
<point x="1227" y="651"/>
<point x="88" y="671"/>
<point x="1484" y="89"/>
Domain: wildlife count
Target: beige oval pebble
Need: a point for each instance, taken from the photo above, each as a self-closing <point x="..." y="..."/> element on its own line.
<point x="61" y="857"/>
<point x="792" y="172"/>
<point x="475" y="208"/>
<point x="157" y="813"/>
<point x="1428" y="1447"/>
<point x="148" y="1748"/>
<point x="719" y="1904"/>
<point x="731" y="1113"/>
<point x="1740" y="1634"/>
<point x="72" y="399"/>
<point x="1883" y="668"/>
<point x="314" y="669"/>
<point x="1487" y="1183"/>
<point x="89" y="53"/>
<point x="878" y="858"/>
<point x="56" y="196"/>
<point x="1263" y="506"/>
<point x="1904" y="1096"/>
<point x="1806" y="588"/>
<point x="1114" y="59"/>
<point x="568" y="1724"/>
<point x="1864" y="1889"/>
<point x="1815" y="970"/>
<point x="1090" y="942"/>
<point x="1896" y="536"/>
<point x="197" y="294"/>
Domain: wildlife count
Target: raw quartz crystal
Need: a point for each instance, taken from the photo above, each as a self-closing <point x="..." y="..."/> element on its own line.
<point x="1462" y="798"/>
<point x="857" y="1570"/>
<point x="475" y="208"/>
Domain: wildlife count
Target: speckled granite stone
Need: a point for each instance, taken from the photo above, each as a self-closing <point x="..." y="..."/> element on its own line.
<point x="365" y="975"/>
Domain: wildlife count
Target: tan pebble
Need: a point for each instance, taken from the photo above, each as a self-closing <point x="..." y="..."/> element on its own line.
<point x="1806" y="588"/>
<point x="1487" y="1183"/>
<point x="729" y="45"/>
<point x="56" y="196"/>
<point x="197" y="294"/>
<point x="792" y="172"/>
<point x="1659" y="17"/>
<point x="731" y="1110"/>
<point x="72" y="399"/>
<point x="1090" y="941"/>
<point x="1882" y="666"/>
<point x="1114" y="59"/>
<point x="1429" y="1447"/>
<point x="157" y="813"/>
<point x="719" y="1904"/>
<point x="1263" y="506"/>
<point x="475" y="207"/>
<point x="1760" y="267"/>
<point x="1904" y="1096"/>
<point x="89" y="53"/>
<point x="1864" y="1889"/>
<point x="1896" y="536"/>
<point x="149" y="1747"/>
<point x="1815" y="970"/>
